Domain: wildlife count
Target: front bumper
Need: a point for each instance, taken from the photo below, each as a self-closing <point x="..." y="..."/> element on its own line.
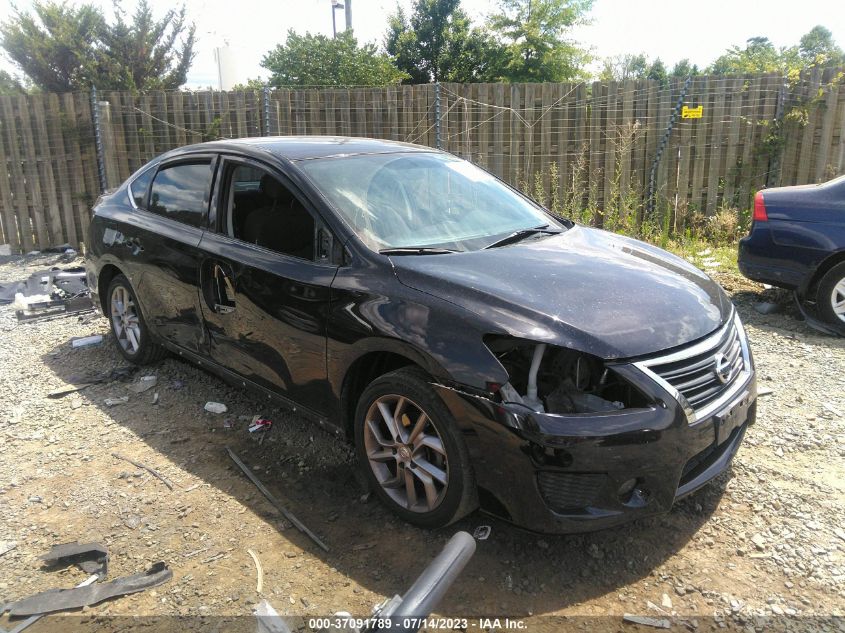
<point x="577" y="473"/>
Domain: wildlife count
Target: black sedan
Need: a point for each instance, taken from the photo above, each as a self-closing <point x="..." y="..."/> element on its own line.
<point x="797" y="242"/>
<point x="477" y="350"/>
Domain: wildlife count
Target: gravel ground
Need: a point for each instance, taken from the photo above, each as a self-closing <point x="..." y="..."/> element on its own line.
<point x="762" y="547"/>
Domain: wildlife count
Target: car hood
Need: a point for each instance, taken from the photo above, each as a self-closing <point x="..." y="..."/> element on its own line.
<point x="591" y="290"/>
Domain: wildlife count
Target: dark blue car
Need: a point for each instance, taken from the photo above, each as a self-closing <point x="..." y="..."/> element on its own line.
<point x="797" y="242"/>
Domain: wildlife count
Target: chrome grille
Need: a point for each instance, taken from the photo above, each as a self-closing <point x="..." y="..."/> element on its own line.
<point x="706" y="374"/>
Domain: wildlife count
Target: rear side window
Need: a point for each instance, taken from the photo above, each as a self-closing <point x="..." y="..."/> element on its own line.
<point x="181" y="192"/>
<point x="138" y="188"/>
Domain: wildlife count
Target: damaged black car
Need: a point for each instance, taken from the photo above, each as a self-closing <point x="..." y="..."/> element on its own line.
<point x="477" y="350"/>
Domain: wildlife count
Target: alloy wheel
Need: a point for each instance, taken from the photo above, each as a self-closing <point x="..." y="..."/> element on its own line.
<point x="406" y="453"/>
<point x="837" y="300"/>
<point x="125" y="321"/>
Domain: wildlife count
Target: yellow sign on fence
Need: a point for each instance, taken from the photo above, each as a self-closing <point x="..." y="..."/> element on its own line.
<point x="692" y="113"/>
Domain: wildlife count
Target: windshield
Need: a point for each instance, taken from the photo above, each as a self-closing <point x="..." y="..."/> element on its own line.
<point x="420" y="200"/>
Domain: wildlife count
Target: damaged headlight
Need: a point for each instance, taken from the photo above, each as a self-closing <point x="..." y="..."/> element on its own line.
<point x="555" y="379"/>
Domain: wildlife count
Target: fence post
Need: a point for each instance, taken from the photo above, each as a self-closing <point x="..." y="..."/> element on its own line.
<point x="98" y="139"/>
<point x="663" y="141"/>
<point x="437" y="114"/>
<point x="773" y="174"/>
<point x="266" y="106"/>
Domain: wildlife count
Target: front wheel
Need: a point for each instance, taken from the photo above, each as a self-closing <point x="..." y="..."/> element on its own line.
<point x="831" y="297"/>
<point x="411" y="450"/>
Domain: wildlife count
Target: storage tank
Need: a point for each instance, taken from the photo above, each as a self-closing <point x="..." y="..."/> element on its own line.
<point x="227" y="67"/>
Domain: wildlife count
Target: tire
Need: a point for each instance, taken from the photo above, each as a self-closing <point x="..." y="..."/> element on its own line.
<point x="410" y="454"/>
<point x="128" y="326"/>
<point x="830" y="293"/>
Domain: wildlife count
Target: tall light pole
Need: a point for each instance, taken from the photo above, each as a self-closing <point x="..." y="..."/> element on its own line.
<point x="348" y="15"/>
<point x="336" y="4"/>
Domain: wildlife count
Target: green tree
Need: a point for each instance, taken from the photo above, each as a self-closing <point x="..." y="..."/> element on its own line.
<point x="317" y="60"/>
<point x="622" y="67"/>
<point x="62" y="48"/>
<point x="758" y="56"/>
<point x="438" y="43"/>
<point x="817" y="48"/>
<point x="147" y="54"/>
<point x="684" y="68"/>
<point x="657" y="71"/>
<point x="9" y="85"/>
<point x="534" y="35"/>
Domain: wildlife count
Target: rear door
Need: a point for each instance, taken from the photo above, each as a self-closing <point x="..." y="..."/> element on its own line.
<point x="266" y="283"/>
<point x="164" y="242"/>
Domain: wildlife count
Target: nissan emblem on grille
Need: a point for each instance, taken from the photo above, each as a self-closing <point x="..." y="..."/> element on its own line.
<point x="723" y="368"/>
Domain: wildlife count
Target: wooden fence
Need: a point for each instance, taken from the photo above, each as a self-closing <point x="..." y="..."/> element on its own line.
<point x="595" y="143"/>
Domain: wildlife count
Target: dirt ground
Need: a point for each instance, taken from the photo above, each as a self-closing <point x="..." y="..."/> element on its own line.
<point x="762" y="547"/>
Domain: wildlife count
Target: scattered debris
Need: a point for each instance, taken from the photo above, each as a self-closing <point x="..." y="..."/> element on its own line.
<point x="49" y="293"/>
<point x="63" y="391"/>
<point x="482" y="533"/>
<point x="269" y="620"/>
<point x="643" y="620"/>
<point x="260" y="424"/>
<point x="63" y="599"/>
<point x="7" y="546"/>
<point x="145" y="383"/>
<point x="215" y="407"/>
<point x="152" y="471"/>
<point x="766" y="307"/>
<point x="113" y="402"/>
<point x="259" y="585"/>
<point x="840" y="533"/>
<point x="832" y="409"/>
<point x="87" y="341"/>
<point x="363" y="546"/>
<point x="764" y="391"/>
<point x="285" y="512"/>
<point x="155" y="397"/>
<point x="211" y="559"/>
<point x="92" y="558"/>
<point x="666" y="601"/>
<point x="34" y="618"/>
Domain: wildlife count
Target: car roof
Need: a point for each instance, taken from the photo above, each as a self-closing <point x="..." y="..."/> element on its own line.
<point x="304" y="147"/>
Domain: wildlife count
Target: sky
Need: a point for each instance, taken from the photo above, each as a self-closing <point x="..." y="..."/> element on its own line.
<point x="669" y="29"/>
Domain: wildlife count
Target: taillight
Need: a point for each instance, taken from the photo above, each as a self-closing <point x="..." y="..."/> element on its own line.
<point x="760" y="214"/>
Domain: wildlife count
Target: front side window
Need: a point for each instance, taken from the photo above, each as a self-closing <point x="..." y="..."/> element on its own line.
<point x="180" y="192"/>
<point x="422" y="200"/>
<point x="138" y="188"/>
<point x="263" y="211"/>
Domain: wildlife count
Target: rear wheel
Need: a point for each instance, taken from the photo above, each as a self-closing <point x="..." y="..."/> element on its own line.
<point x="411" y="450"/>
<point x="128" y="325"/>
<point x="831" y="297"/>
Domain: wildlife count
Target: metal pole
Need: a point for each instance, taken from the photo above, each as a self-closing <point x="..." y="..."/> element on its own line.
<point x="663" y="141"/>
<point x="437" y="114"/>
<point x="347" y="5"/>
<point x="334" y="22"/>
<point x="266" y="105"/>
<point x="98" y="139"/>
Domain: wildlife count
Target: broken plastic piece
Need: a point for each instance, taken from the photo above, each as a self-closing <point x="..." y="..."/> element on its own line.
<point x="269" y="620"/>
<point x="78" y="597"/>
<point x="92" y="558"/>
<point x="260" y="424"/>
<point x="481" y="533"/>
<point x="144" y="383"/>
<point x="113" y="402"/>
<point x="215" y="407"/>
<point x="87" y="341"/>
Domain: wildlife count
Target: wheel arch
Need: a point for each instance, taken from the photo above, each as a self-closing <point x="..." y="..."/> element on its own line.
<point x="826" y="264"/>
<point x="107" y="273"/>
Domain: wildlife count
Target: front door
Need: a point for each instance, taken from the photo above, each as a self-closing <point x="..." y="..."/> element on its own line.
<point x="265" y="287"/>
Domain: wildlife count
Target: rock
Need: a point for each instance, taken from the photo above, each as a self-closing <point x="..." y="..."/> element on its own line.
<point x="113" y="402"/>
<point x="759" y="541"/>
<point x="666" y="601"/>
